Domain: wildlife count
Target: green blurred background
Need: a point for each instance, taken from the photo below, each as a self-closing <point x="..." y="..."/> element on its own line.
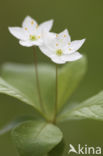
<point x="84" y="19"/>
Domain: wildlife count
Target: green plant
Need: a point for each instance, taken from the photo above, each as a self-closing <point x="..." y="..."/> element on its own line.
<point x="47" y="89"/>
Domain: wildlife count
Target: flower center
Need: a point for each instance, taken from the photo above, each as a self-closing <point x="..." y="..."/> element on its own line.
<point x="32" y="38"/>
<point x="59" y="52"/>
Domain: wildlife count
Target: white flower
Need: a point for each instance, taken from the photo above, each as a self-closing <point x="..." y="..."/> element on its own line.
<point x="60" y="48"/>
<point x="31" y="33"/>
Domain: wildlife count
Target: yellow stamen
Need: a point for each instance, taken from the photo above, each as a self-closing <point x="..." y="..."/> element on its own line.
<point x="37" y="26"/>
<point x="57" y="44"/>
<point x="69" y="43"/>
<point x="56" y="35"/>
<point x="59" y="52"/>
<point x="70" y="49"/>
<point x="64" y="35"/>
<point x="39" y="37"/>
<point x="26" y="28"/>
<point x="32" y="22"/>
<point x="32" y="38"/>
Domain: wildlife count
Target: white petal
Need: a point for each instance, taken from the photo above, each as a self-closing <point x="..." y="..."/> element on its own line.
<point x="30" y="43"/>
<point x="45" y="50"/>
<point x="75" y="45"/>
<point x="58" y="59"/>
<point x="73" y="57"/>
<point x="28" y="21"/>
<point x="67" y="50"/>
<point x="19" y="33"/>
<point x="30" y="24"/>
<point x="48" y="47"/>
<point x="64" y="36"/>
<point x="46" y="25"/>
<point x="48" y="36"/>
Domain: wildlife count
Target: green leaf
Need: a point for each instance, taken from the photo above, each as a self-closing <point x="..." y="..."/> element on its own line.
<point x="19" y="81"/>
<point x="58" y="150"/>
<point x="36" y="138"/>
<point x="8" y="89"/>
<point x="22" y="79"/>
<point x="92" y="108"/>
<point x="14" y="123"/>
<point x="69" y="77"/>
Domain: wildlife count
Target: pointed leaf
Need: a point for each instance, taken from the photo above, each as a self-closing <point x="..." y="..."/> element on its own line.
<point x="22" y="77"/>
<point x="8" y="89"/>
<point x="21" y="80"/>
<point x="92" y="108"/>
<point x="36" y="138"/>
<point x="69" y="78"/>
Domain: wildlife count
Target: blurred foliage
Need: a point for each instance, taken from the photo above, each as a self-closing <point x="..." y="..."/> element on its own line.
<point x="83" y="19"/>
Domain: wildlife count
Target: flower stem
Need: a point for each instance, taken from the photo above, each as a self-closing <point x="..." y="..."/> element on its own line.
<point x="56" y="98"/>
<point x="37" y="80"/>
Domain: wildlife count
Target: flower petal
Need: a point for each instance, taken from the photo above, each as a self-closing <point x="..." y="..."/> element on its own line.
<point x="45" y="50"/>
<point x="48" y="46"/>
<point x="30" y="25"/>
<point x="28" y="21"/>
<point x="19" y="33"/>
<point x="57" y="59"/>
<point x="46" y="25"/>
<point x="72" y="57"/>
<point x="30" y="43"/>
<point x="75" y="45"/>
<point x="64" y="36"/>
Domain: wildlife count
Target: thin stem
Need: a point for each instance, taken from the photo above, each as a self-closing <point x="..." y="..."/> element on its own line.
<point x="56" y="99"/>
<point x="37" y="80"/>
